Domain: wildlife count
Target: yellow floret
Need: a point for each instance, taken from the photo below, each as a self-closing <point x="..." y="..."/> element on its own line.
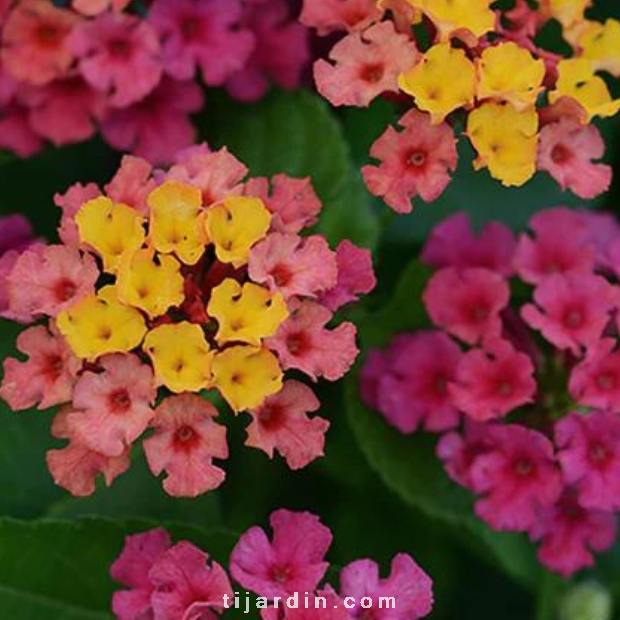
<point x="506" y="141"/>
<point x="100" y="324"/>
<point x="235" y="226"/>
<point x="176" y="221"/>
<point x="111" y="229"/>
<point x="181" y="356"/>
<point x="443" y="81"/>
<point x="600" y="44"/>
<point x="246" y="313"/>
<point x="152" y="284"/>
<point x="246" y="375"/>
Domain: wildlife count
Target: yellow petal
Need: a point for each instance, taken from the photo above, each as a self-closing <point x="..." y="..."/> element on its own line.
<point x="176" y="221"/>
<point x="246" y="313"/>
<point x="111" y="229"/>
<point x="600" y="44"/>
<point x="506" y="141"/>
<point x="101" y="324"/>
<point x="180" y="355"/>
<point x="245" y="376"/>
<point x="152" y="285"/>
<point x="509" y="72"/>
<point x="443" y="81"/>
<point x="235" y="226"/>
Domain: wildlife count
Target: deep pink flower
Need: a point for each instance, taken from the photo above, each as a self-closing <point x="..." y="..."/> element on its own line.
<point x="34" y="41"/>
<point x="459" y="451"/>
<point x="336" y="15"/>
<point x="572" y="310"/>
<point x="569" y="533"/>
<point x="364" y="65"/>
<point x="293" y="265"/>
<point x="467" y="303"/>
<point x="303" y="342"/>
<point x="588" y="453"/>
<point x="567" y="150"/>
<point x="70" y="203"/>
<point x="46" y="378"/>
<point x="452" y="243"/>
<point x="113" y="407"/>
<point x="119" y="55"/>
<point x="293" y="561"/>
<point x="186" y="586"/>
<point x="292" y="202"/>
<point x="185" y="442"/>
<point x="16" y="133"/>
<point x="49" y="279"/>
<point x="281" y="423"/>
<point x="561" y="245"/>
<point x="281" y="51"/>
<point x="132" y="183"/>
<point x="131" y="569"/>
<point x="493" y="381"/>
<point x="15" y="233"/>
<point x="412" y="387"/>
<point x="595" y="381"/>
<point x="158" y="126"/>
<point x="65" y="111"/>
<point x="517" y="478"/>
<point x="202" y="34"/>
<point x="410" y="586"/>
<point x="356" y="276"/>
<point x="217" y="174"/>
<point x="602" y="232"/>
<point x="333" y="610"/>
<point x="414" y="161"/>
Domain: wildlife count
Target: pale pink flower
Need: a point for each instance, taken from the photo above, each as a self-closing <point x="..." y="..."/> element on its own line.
<point x="336" y="15"/>
<point x="46" y="378"/>
<point x="94" y="7"/>
<point x="47" y="280"/>
<point x="293" y="265"/>
<point x="185" y="442"/>
<point x="281" y="423"/>
<point x="292" y="202"/>
<point x="70" y="203"/>
<point x="364" y="65"/>
<point x="566" y="151"/>
<point x="132" y="183"/>
<point x="303" y="342"/>
<point x="113" y="406"/>
<point x="416" y="161"/>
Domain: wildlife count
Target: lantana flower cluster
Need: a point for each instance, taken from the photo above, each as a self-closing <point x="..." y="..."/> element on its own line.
<point x="464" y="66"/>
<point x="131" y="70"/>
<point x="171" y="581"/>
<point x="520" y="375"/>
<point x="171" y="291"/>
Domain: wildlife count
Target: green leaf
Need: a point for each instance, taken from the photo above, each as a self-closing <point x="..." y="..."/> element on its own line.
<point x="60" y="569"/>
<point x="408" y="464"/>
<point x="296" y="133"/>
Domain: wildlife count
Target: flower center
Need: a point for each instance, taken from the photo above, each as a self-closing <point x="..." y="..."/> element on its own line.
<point x="185" y="434"/>
<point x="281" y="275"/>
<point x="65" y="289"/>
<point x="598" y="453"/>
<point x="297" y="343"/>
<point x="523" y="467"/>
<point x="373" y="73"/>
<point x="120" y="400"/>
<point x="417" y="159"/>
<point x="560" y="154"/>
<point x="573" y="319"/>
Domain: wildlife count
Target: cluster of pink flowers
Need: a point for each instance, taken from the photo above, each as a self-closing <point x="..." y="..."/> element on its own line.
<point x="522" y="108"/>
<point x="188" y="281"/>
<point x="170" y="581"/>
<point x="68" y="71"/>
<point x="521" y="375"/>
